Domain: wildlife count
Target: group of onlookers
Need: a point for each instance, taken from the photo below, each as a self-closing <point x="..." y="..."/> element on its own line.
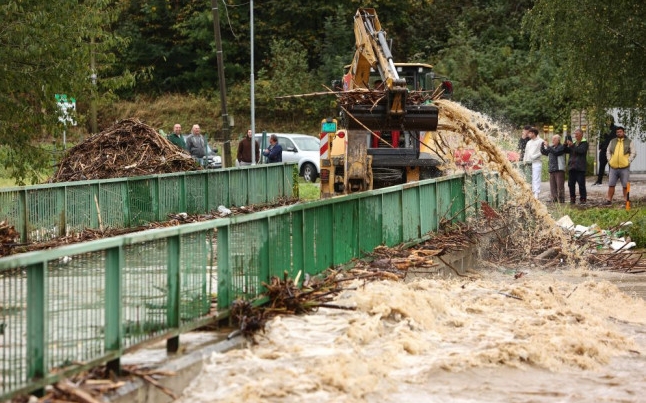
<point x="615" y="149"/>
<point x="274" y="152"/>
<point x="195" y="144"/>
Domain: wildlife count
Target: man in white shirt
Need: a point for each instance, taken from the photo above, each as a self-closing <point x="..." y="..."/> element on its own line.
<point x="533" y="155"/>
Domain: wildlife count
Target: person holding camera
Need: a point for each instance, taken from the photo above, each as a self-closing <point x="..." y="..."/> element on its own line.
<point x="577" y="166"/>
<point x="556" y="167"/>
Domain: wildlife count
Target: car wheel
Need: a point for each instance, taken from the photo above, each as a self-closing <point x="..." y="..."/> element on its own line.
<point x="308" y="172"/>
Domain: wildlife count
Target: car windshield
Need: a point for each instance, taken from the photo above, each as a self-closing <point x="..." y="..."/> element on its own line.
<point x="307" y="143"/>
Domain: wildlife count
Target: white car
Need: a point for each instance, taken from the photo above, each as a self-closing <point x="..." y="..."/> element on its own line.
<point x="301" y="148"/>
<point x="213" y="160"/>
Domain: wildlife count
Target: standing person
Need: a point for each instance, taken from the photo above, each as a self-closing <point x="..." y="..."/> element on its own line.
<point x="274" y="152"/>
<point x="604" y="141"/>
<point x="556" y="167"/>
<point x="577" y="165"/>
<point x="522" y="142"/>
<point x="621" y="152"/>
<point x="176" y="137"/>
<point x="244" y="150"/>
<point x="533" y="155"/>
<point x="195" y="143"/>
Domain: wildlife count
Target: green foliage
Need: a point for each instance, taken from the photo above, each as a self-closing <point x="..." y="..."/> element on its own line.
<point x="287" y="74"/>
<point x="492" y="67"/>
<point x="601" y="53"/>
<point x="308" y="191"/>
<point x="46" y="49"/>
<point x="337" y="49"/>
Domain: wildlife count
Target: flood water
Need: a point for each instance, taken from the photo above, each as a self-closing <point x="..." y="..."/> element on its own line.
<point x="557" y="336"/>
<point x="569" y="336"/>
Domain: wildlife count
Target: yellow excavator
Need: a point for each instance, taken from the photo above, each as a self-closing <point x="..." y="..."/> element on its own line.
<point x="386" y="118"/>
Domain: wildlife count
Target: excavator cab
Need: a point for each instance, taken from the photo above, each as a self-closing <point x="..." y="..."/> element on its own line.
<point x="386" y="115"/>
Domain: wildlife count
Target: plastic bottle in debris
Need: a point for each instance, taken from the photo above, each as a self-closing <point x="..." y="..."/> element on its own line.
<point x="223" y="211"/>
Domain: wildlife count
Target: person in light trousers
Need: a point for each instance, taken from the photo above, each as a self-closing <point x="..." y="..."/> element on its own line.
<point x="533" y="155"/>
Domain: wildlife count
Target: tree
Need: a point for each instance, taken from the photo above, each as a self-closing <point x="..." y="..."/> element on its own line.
<point x="601" y="49"/>
<point x="45" y="49"/>
<point x="490" y="62"/>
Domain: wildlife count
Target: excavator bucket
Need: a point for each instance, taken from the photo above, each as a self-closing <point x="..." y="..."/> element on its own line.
<point x="377" y="117"/>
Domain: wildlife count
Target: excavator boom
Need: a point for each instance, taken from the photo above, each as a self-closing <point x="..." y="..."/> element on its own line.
<point x="394" y="111"/>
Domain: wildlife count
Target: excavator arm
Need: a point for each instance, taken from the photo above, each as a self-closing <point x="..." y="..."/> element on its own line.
<point x="394" y="112"/>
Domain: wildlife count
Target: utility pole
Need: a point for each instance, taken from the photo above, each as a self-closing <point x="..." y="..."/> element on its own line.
<point x="94" y="91"/>
<point x="223" y="86"/>
<point x="253" y="98"/>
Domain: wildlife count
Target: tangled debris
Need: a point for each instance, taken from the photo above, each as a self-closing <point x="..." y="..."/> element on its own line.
<point x="9" y="236"/>
<point x="384" y="263"/>
<point x="517" y="237"/>
<point x="90" y="386"/>
<point x="127" y="148"/>
<point x="366" y="96"/>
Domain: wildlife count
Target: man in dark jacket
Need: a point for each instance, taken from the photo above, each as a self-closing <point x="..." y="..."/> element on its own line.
<point x="556" y="167"/>
<point x="577" y="166"/>
<point x="603" y="147"/>
<point x="274" y="152"/>
<point x="244" y="150"/>
<point x="176" y="137"/>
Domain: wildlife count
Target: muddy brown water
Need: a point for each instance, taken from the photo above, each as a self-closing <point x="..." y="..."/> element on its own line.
<point x="573" y="339"/>
<point x="570" y="335"/>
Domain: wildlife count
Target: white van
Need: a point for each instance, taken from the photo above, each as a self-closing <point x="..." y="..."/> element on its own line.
<point x="301" y="148"/>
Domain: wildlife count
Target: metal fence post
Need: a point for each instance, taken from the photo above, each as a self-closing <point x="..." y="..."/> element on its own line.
<point x="114" y="262"/>
<point x="36" y="321"/>
<point x="25" y="215"/>
<point x="172" y="311"/>
<point x="224" y="268"/>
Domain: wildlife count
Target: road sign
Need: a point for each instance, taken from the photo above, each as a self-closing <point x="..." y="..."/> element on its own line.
<point x="67" y="109"/>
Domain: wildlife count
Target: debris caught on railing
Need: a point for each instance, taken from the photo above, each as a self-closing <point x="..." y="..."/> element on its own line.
<point x="127" y="148"/>
<point x="9" y="237"/>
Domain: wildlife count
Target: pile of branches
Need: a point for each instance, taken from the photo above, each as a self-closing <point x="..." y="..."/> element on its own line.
<point x="372" y="97"/>
<point x="127" y="148"/>
<point x="9" y="238"/>
<point x="521" y="241"/>
<point x="91" y="386"/>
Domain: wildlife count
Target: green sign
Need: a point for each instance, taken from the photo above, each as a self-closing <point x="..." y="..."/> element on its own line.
<point x="67" y="109"/>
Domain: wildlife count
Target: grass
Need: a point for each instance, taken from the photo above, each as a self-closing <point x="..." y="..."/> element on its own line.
<point x="6" y="182"/>
<point x="308" y="191"/>
<point x="607" y="218"/>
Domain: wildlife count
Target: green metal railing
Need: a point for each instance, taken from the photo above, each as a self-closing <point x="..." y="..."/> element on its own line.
<point x="70" y="308"/>
<point x="43" y="212"/>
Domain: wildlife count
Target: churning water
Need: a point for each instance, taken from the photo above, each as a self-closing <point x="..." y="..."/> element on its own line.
<point x="566" y="336"/>
<point x="497" y="339"/>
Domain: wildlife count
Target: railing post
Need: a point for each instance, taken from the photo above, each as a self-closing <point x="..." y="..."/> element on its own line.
<point x="173" y="306"/>
<point x="125" y="198"/>
<point x="36" y="321"/>
<point x="114" y="262"/>
<point x="224" y="269"/>
<point x="182" y="193"/>
<point x="25" y="216"/>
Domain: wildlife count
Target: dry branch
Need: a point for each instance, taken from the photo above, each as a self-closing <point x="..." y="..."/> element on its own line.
<point x="127" y="148"/>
